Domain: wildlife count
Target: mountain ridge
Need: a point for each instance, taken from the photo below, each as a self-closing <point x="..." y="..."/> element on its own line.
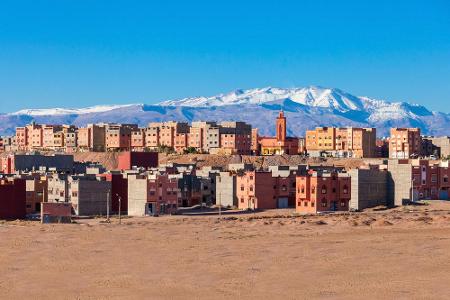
<point x="305" y="108"/>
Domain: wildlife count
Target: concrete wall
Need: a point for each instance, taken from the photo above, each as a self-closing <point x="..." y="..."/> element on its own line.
<point x="368" y="188"/>
<point x="226" y="189"/>
<point x="90" y="197"/>
<point x="62" y="163"/>
<point x="137" y="196"/>
<point x="399" y="183"/>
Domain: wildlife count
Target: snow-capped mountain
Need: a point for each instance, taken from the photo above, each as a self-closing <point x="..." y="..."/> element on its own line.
<point x="68" y="111"/>
<point x="310" y="96"/>
<point x="304" y="107"/>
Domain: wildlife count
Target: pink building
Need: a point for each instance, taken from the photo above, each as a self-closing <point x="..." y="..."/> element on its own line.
<point x="262" y="190"/>
<point x="319" y="192"/>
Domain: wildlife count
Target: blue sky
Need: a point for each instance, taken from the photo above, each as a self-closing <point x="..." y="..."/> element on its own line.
<point x="81" y="53"/>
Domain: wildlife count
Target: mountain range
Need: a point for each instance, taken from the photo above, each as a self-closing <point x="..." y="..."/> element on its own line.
<point x="304" y="108"/>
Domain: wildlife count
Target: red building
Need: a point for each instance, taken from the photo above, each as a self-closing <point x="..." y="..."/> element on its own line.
<point x="12" y="199"/>
<point x="319" y="192"/>
<point x="262" y="190"/>
<point x="281" y="143"/>
<point x="127" y="160"/>
<point x="119" y="189"/>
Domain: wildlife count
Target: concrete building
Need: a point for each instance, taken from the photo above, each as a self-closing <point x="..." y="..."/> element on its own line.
<point x="417" y="179"/>
<point x="369" y="188"/>
<point x="29" y="162"/>
<point x="235" y="138"/>
<point x="225" y="189"/>
<point x="321" y="192"/>
<point x="405" y="143"/>
<point x="152" y="194"/>
<point x="58" y="188"/>
<point x="36" y="192"/>
<point x="89" y="195"/>
<point x="443" y="142"/>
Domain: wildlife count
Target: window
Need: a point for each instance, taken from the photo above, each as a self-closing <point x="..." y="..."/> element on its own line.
<point x="242" y="187"/>
<point x="345" y="189"/>
<point x="324" y="203"/>
<point x="312" y="204"/>
<point x="342" y="203"/>
<point x="251" y="188"/>
<point x="305" y="203"/>
<point x="313" y="190"/>
<point x="302" y="189"/>
<point x="283" y="188"/>
<point x="324" y="189"/>
<point x="242" y="200"/>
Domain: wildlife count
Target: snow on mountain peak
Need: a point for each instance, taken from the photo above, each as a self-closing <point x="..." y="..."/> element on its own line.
<point x="69" y="111"/>
<point x="311" y="96"/>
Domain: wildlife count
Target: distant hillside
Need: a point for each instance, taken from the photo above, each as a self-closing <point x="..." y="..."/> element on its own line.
<point x="304" y="107"/>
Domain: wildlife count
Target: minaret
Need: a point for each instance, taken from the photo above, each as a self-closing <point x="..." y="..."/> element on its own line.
<point x="281" y="127"/>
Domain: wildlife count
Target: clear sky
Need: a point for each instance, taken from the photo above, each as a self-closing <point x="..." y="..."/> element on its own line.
<point x="80" y="53"/>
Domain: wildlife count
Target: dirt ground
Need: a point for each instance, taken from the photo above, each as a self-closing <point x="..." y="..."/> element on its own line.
<point x="384" y="254"/>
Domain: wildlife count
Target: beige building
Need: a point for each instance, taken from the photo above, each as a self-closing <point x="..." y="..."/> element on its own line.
<point x="405" y="143"/>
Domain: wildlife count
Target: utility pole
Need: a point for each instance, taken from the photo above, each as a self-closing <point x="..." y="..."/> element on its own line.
<point x="220" y="200"/>
<point x="107" y="206"/>
<point x="120" y="208"/>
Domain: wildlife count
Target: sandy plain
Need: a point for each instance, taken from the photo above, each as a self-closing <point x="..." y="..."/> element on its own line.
<point x="401" y="253"/>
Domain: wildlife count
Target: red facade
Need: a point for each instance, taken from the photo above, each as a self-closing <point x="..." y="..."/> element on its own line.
<point x="12" y="199"/>
<point x="127" y="160"/>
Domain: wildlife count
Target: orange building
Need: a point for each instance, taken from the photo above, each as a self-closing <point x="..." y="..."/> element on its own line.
<point x="281" y="143"/>
<point x="342" y="141"/>
<point x="318" y="192"/>
<point x="405" y="143"/>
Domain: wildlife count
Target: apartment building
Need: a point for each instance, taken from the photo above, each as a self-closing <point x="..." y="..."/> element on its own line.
<point x="417" y="179"/>
<point x="235" y="138"/>
<point x="152" y="194"/>
<point x="36" y="192"/>
<point x="265" y="190"/>
<point x="70" y="138"/>
<point x="320" y="139"/>
<point x="210" y="135"/>
<point x="89" y="195"/>
<point x="92" y="138"/>
<point x="138" y="139"/>
<point x="118" y="136"/>
<point x="443" y="143"/>
<point x="319" y="191"/>
<point x="152" y="137"/>
<point x="405" y="143"/>
<point x="341" y="141"/>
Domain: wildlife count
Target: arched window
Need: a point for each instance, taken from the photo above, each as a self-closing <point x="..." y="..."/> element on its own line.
<point x="324" y="189"/>
<point x="302" y="189"/>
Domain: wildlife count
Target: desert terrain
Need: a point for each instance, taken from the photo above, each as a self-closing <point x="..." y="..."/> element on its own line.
<point x="400" y="253"/>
